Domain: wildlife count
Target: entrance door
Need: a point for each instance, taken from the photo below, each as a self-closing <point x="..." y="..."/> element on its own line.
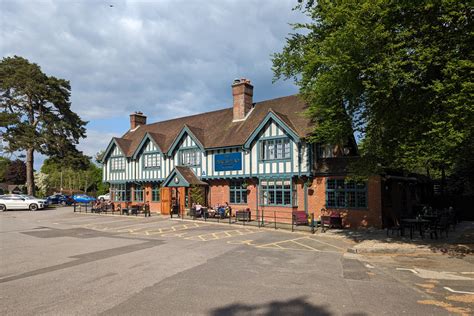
<point x="166" y="200"/>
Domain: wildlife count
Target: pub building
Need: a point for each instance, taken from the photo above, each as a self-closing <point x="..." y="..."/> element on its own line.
<point x="251" y="155"/>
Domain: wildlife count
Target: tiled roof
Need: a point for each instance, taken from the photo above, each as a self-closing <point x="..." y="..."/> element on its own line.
<point x="217" y="129"/>
<point x="189" y="175"/>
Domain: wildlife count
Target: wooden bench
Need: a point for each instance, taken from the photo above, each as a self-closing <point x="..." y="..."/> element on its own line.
<point x="300" y="218"/>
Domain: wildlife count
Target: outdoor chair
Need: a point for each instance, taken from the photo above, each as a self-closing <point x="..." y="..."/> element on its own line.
<point x="431" y="229"/>
<point x="395" y="227"/>
<point x="443" y="225"/>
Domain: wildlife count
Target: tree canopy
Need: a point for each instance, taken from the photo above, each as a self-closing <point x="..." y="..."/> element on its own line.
<point x="398" y="73"/>
<point x="36" y="113"/>
<point x="71" y="175"/>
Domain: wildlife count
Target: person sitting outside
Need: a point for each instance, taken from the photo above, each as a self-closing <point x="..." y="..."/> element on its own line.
<point x="221" y="211"/>
<point x="96" y="206"/>
<point x="228" y="210"/>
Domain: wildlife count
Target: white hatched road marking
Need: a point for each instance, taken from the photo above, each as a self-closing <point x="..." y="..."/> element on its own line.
<point x="460" y="292"/>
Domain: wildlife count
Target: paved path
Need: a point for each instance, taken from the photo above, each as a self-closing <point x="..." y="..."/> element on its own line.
<point x="57" y="262"/>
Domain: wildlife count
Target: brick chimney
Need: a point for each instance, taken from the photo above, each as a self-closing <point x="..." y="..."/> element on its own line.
<point x="242" y="92"/>
<point x="137" y="119"/>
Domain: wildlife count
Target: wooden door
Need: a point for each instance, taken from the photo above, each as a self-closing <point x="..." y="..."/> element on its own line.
<point x="165" y="201"/>
<point x="181" y="199"/>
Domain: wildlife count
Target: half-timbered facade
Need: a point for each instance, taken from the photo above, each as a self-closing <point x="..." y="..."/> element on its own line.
<point x="251" y="155"/>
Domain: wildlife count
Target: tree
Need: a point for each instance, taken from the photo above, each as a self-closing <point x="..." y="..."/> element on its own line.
<point x="4" y="163"/>
<point x="15" y="172"/>
<point x="398" y="73"/>
<point x="36" y="113"/>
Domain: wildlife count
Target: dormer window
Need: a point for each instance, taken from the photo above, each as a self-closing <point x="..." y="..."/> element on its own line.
<point x="190" y="157"/>
<point x="151" y="161"/>
<point x="117" y="163"/>
<point x="273" y="149"/>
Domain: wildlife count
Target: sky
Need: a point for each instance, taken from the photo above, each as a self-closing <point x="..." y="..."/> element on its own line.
<point x="164" y="58"/>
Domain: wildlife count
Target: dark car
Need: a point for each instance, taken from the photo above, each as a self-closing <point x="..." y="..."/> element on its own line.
<point x="60" y="199"/>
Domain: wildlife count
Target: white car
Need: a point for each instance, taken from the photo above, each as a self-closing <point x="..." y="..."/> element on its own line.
<point x="20" y="202"/>
<point x="104" y="197"/>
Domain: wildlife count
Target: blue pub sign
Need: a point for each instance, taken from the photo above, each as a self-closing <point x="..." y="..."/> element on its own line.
<point x="228" y="162"/>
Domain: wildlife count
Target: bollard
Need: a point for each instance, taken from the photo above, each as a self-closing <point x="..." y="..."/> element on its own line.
<point x="74" y="207"/>
<point x="275" y="219"/>
<point x="312" y="223"/>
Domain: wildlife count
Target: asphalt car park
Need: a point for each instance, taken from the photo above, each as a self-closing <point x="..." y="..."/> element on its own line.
<point x="65" y="263"/>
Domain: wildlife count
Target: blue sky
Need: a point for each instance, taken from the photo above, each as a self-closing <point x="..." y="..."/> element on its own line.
<point x="164" y="58"/>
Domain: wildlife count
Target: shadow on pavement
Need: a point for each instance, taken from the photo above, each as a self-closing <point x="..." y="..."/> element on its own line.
<point x="296" y="306"/>
<point x="458" y="244"/>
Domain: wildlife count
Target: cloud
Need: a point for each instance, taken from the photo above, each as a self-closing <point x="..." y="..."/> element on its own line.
<point x="165" y="58"/>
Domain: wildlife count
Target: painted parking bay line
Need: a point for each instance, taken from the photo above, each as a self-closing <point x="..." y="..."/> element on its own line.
<point x="222" y="234"/>
<point x="289" y="244"/>
<point x="173" y="229"/>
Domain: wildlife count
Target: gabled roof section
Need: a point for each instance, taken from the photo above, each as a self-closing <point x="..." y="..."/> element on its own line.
<point x="122" y="144"/>
<point x="153" y="137"/>
<point x="185" y="178"/>
<point x="280" y="120"/>
<point x="195" y="133"/>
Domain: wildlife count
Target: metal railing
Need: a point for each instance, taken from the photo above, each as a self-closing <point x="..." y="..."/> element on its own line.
<point x="260" y="219"/>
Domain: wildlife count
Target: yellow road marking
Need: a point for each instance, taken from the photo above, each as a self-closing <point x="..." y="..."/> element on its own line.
<point x="309" y="247"/>
<point x="221" y="235"/>
<point x="325" y="243"/>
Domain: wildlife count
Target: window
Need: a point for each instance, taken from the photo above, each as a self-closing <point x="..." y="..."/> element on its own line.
<point x="155" y="192"/>
<point x="346" y="194"/>
<point x="277" y="192"/>
<point x="272" y="149"/>
<point x="190" y="157"/>
<point x="151" y="161"/>
<point x="325" y="151"/>
<point x="238" y="194"/>
<point x="138" y="193"/>
<point x="119" y="192"/>
<point x="117" y="163"/>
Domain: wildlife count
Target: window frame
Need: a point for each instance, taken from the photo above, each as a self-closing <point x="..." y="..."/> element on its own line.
<point x="156" y="190"/>
<point x="272" y="189"/>
<point x="194" y="150"/>
<point x="237" y="190"/>
<point x="151" y="154"/>
<point x="120" y="192"/>
<point x="114" y="166"/>
<point x="342" y="190"/>
<point x="264" y="153"/>
<point x="138" y="188"/>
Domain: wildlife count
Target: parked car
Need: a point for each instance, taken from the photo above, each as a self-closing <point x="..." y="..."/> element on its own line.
<point x="82" y="198"/>
<point x="21" y="202"/>
<point x="60" y="199"/>
<point x="104" y="197"/>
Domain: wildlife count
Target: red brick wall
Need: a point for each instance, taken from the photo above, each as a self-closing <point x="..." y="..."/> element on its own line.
<point x="351" y="218"/>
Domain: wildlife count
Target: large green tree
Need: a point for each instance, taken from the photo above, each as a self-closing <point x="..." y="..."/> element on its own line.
<point x="399" y="73"/>
<point x="36" y="113"/>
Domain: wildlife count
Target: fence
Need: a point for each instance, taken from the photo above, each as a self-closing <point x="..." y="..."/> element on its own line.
<point x="261" y="218"/>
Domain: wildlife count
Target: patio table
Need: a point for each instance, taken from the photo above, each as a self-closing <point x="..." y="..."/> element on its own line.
<point x="414" y="223"/>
